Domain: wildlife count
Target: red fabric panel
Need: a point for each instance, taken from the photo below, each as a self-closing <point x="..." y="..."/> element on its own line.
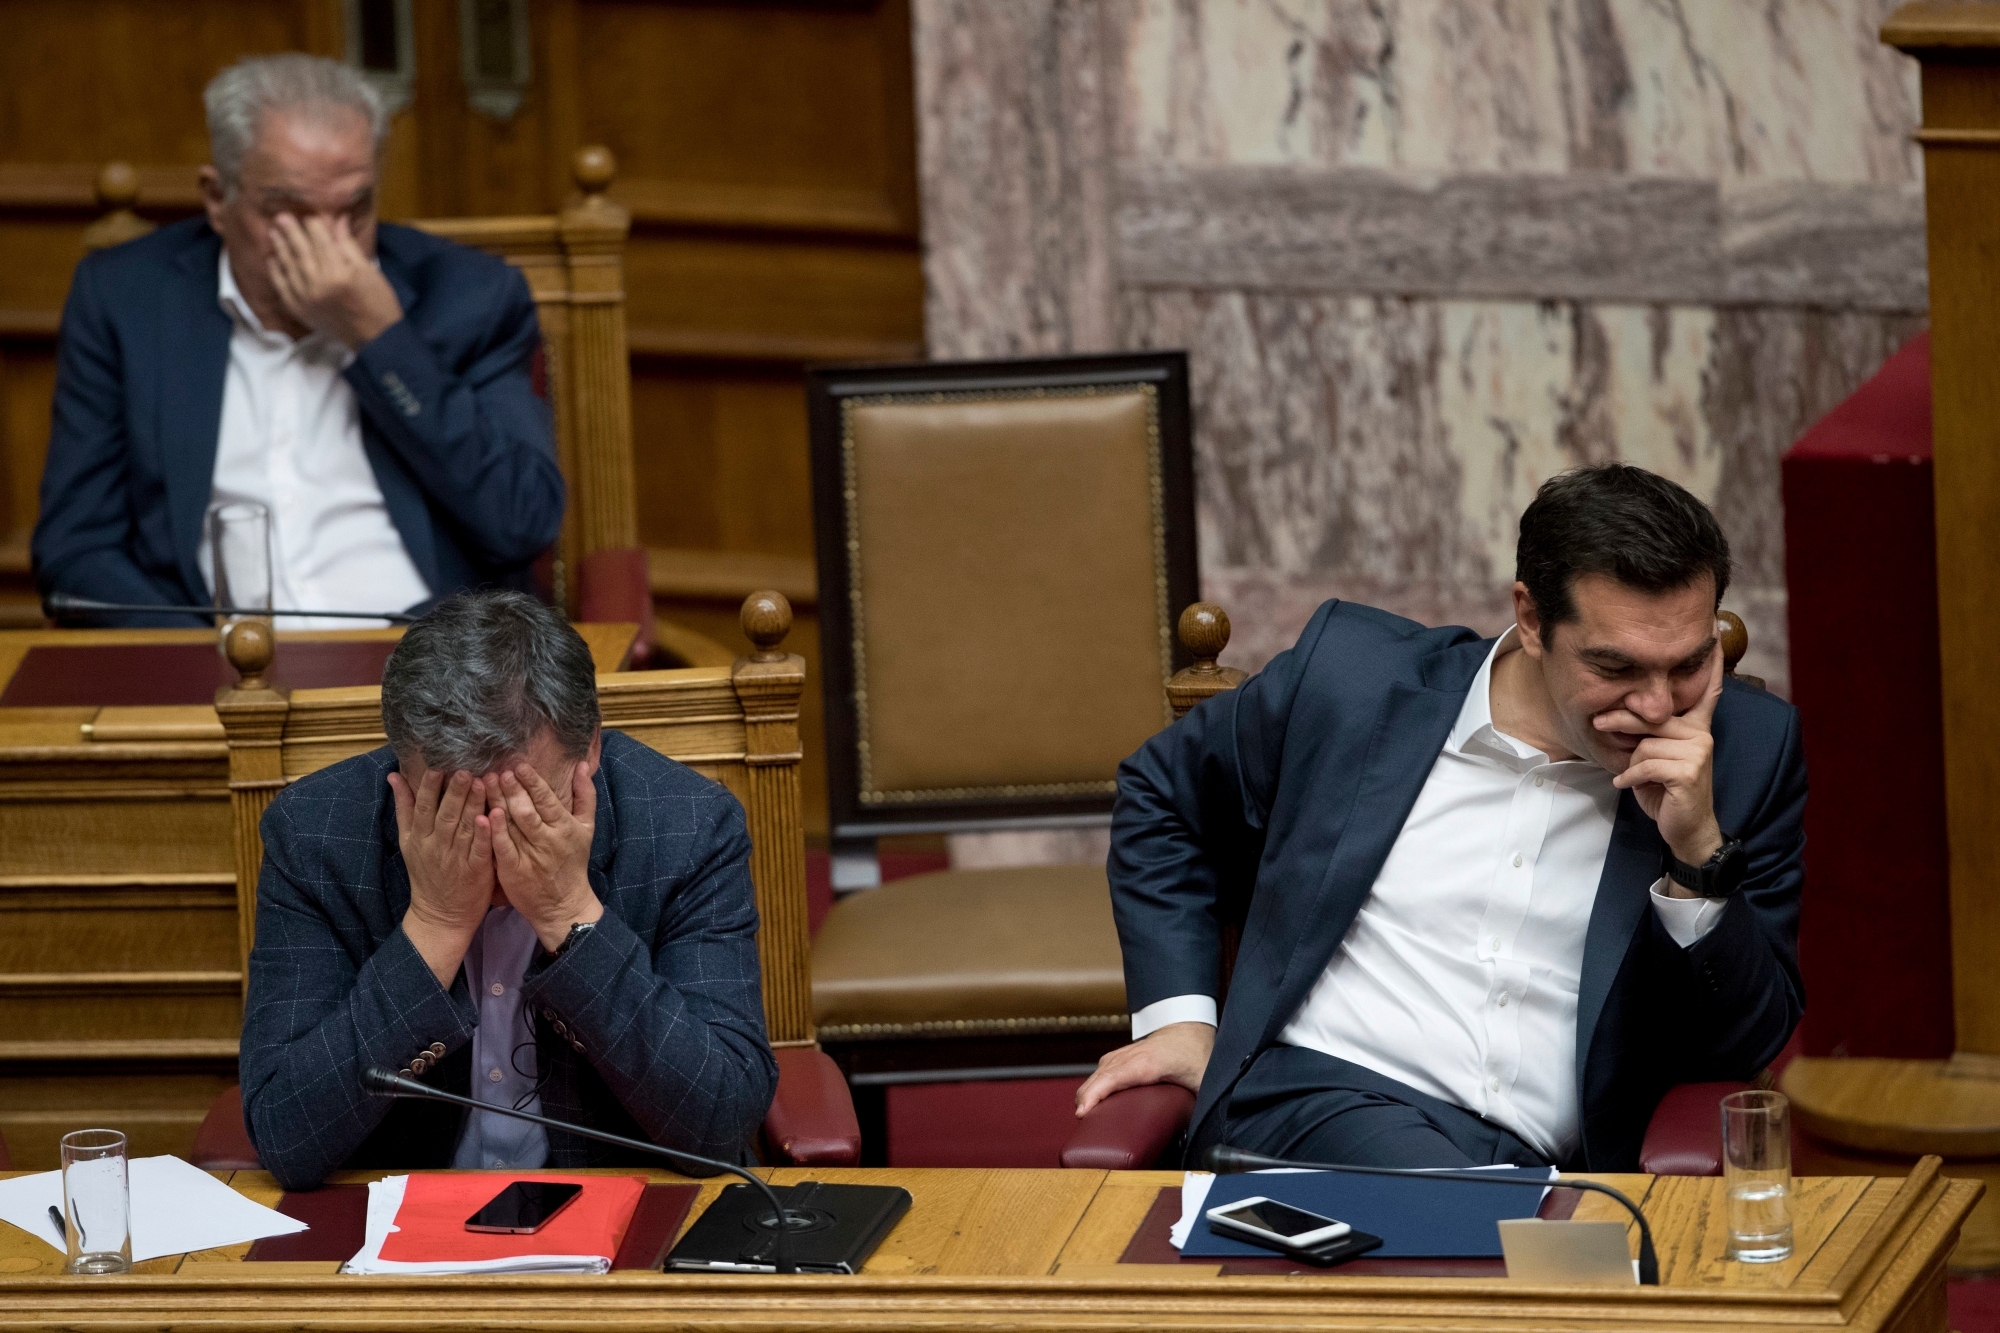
<point x="811" y="1121"/>
<point x="1861" y="571"/>
<point x="1015" y="1122"/>
<point x="151" y="674"/>
<point x="612" y="588"/>
<point x="431" y="1223"/>
<point x="223" y="1142"/>
<point x="1128" y="1130"/>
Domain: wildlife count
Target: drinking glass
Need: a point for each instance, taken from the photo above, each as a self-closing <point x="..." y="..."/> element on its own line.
<point x="97" y="1202"/>
<point x="239" y="553"/>
<point x="1757" y="1175"/>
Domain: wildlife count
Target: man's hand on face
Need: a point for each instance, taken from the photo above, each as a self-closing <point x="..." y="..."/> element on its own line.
<point x="541" y="852"/>
<point x="448" y="851"/>
<point x="327" y="283"/>
<point x="1672" y="774"/>
<point x="1176" y="1053"/>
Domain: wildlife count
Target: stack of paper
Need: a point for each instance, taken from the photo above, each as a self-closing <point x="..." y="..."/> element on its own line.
<point x="386" y="1201"/>
<point x="176" y="1208"/>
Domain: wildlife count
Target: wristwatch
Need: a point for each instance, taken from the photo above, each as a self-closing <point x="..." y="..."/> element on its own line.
<point x="1717" y="877"/>
<point x="576" y="933"/>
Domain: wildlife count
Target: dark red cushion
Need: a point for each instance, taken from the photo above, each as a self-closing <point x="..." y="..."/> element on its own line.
<point x="611" y="587"/>
<point x="1685" y="1136"/>
<point x="1130" y="1130"/>
<point x="811" y="1121"/>
<point x="222" y="1143"/>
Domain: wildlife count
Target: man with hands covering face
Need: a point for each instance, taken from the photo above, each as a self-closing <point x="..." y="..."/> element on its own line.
<point x="1501" y="893"/>
<point x="508" y="903"/>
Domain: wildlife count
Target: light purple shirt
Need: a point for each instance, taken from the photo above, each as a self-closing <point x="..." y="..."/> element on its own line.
<point x="494" y="965"/>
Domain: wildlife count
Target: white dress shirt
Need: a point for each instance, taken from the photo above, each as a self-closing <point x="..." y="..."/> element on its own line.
<point x="1459" y="975"/>
<point x="291" y="441"/>
<point x="498" y="958"/>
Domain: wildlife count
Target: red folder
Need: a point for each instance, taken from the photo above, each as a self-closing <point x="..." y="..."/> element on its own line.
<point x="431" y="1223"/>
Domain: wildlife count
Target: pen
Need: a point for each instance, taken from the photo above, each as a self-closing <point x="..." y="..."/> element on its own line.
<point x="55" y="1216"/>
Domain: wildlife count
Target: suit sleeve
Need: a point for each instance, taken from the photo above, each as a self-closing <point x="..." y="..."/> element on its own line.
<point x="316" y="1020"/>
<point x="1188" y="826"/>
<point x="479" y="442"/>
<point x="675" y="1025"/>
<point x="1743" y="975"/>
<point x="84" y="534"/>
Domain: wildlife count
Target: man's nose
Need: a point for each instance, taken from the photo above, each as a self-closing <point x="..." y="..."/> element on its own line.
<point x="1654" y="701"/>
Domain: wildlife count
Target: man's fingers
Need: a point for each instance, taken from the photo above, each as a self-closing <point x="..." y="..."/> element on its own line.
<point x="1657" y="772"/>
<point x="520" y="806"/>
<point x="1704" y="711"/>
<point x="427" y="801"/>
<point x="583" y="797"/>
<point x="406" y="806"/>
<point x="465" y="823"/>
<point x="540" y="794"/>
<point x="452" y="804"/>
<point x="505" y="854"/>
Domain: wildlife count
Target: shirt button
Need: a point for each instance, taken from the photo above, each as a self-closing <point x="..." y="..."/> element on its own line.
<point x="1493" y="1084"/>
<point x="494" y="1075"/>
<point x="1503" y="999"/>
<point x="1495" y="946"/>
<point x="499" y="989"/>
<point x="1517" y="860"/>
<point x="1538" y="782"/>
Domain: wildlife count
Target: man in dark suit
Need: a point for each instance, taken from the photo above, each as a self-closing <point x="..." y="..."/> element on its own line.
<point x="367" y="385"/>
<point x="1503" y="893"/>
<point x="509" y="904"/>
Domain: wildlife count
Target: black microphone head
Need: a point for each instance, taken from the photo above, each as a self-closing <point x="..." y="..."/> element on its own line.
<point x="382" y="1082"/>
<point x="1224" y="1160"/>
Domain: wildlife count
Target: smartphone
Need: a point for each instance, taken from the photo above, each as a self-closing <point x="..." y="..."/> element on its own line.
<point x="1272" y="1223"/>
<point x="523" y="1208"/>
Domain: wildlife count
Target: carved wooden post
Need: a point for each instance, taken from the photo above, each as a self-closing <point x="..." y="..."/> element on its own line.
<point x="1204" y="631"/>
<point x="117" y="191"/>
<point x="253" y="717"/>
<point x="603" y="502"/>
<point x="768" y="685"/>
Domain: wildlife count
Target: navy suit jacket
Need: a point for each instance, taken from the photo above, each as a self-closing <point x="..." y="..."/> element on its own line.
<point x="1294" y="787"/>
<point x="651" y="1026"/>
<point x="461" y="446"/>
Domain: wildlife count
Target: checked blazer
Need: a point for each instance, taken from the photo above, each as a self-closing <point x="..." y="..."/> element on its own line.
<point x="651" y="1026"/>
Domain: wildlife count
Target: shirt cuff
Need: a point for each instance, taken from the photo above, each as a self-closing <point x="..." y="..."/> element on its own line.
<point x="1173" y="1009"/>
<point x="1686" y="919"/>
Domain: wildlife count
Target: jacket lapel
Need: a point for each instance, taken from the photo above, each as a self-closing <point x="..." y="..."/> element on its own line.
<point x="1631" y="865"/>
<point x="194" y="365"/>
<point x="401" y="495"/>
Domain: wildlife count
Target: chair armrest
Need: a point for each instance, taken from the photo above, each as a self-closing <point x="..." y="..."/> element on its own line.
<point x="811" y="1121"/>
<point x="612" y="586"/>
<point x="1130" y="1130"/>
<point x="223" y="1142"/>
<point x="1684" y="1137"/>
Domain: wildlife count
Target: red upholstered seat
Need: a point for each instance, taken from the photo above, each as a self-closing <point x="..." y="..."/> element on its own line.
<point x="811" y="1121"/>
<point x="612" y="587"/>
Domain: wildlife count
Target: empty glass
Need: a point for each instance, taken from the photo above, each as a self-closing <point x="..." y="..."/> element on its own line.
<point x="97" y="1202"/>
<point x="239" y="558"/>
<point x="1757" y="1175"/>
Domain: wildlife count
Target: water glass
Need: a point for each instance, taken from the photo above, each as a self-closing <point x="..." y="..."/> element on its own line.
<point x="1757" y="1175"/>
<point x="97" y="1202"/>
<point x="239" y="556"/>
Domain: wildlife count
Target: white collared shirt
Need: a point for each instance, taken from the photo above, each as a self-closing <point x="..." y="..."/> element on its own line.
<point x="1459" y="975"/>
<point x="503" y="1050"/>
<point x="291" y="441"/>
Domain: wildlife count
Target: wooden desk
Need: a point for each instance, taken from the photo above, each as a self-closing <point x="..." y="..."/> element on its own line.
<point x="120" y="983"/>
<point x="1039" y="1249"/>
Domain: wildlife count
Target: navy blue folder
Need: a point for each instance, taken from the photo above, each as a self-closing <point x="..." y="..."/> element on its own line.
<point x="1416" y="1218"/>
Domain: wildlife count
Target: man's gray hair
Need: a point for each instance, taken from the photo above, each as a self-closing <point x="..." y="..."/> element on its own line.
<point x="478" y="679"/>
<point x="238" y="97"/>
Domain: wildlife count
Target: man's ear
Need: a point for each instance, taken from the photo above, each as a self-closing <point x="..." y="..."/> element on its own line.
<point x="595" y="754"/>
<point x="1528" y="621"/>
<point x="213" y="196"/>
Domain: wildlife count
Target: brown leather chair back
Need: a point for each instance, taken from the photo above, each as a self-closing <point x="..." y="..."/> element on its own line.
<point x="1000" y="545"/>
<point x="735" y="724"/>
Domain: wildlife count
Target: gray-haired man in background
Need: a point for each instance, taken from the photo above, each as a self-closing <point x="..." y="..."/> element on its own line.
<point x="508" y="903"/>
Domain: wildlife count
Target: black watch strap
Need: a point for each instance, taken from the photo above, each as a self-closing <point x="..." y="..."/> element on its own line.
<point x="576" y="933"/>
<point x="1717" y="877"/>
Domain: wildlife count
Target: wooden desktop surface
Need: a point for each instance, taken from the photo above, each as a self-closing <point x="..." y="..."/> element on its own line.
<point x="1040" y="1249"/>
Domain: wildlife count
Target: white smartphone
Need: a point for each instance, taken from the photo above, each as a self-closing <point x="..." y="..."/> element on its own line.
<point x="1274" y="1223"/>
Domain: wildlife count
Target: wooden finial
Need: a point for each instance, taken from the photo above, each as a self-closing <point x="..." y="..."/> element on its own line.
<point x="1204" y="632"/>
<point x="117" y="186"/>
<point x="117" y="192"/>
<point x="1735" y="639"/>
<point x="593" y="167"/>
<point x="250" y="645"/>
<point x="767" y="619"/>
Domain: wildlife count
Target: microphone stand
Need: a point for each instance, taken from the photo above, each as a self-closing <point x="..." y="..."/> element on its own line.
<point x="1226" y="1160"/>
<point x="385" y="1083"/>
<point x="59" y="603"/>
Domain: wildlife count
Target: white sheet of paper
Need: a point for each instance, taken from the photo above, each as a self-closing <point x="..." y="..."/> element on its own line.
<point x="176" y="1208"/>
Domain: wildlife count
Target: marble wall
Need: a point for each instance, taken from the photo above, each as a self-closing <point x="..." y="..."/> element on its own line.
<point x="1426" y="253"/>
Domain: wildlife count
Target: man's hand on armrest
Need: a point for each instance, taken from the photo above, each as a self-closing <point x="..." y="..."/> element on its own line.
<point x="1177" y="1053"/>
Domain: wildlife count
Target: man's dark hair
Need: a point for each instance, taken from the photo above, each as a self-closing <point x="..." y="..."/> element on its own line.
<point x="476" y="680"/>
<point x="1618" y="520"/>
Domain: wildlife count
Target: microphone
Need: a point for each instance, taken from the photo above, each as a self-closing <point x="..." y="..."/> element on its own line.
<point x="57" y="603"/>
<point x="1226" y="1160"/>
<point x="386" y="1083"/>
